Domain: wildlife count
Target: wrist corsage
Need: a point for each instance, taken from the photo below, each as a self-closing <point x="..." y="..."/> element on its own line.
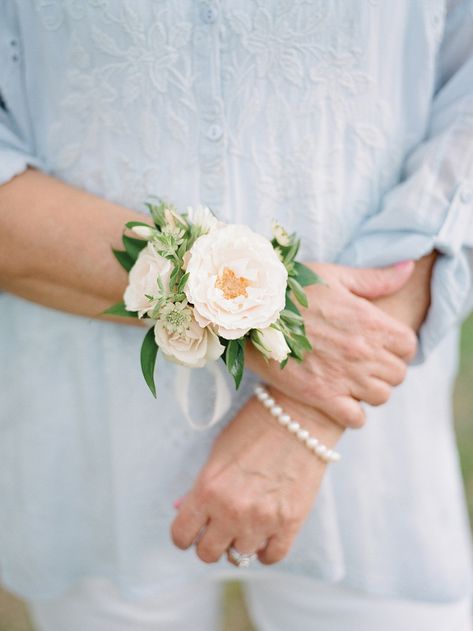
<point x="208" y="288"/>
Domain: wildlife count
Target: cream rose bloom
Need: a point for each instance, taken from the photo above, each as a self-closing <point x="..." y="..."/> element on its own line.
<point x="236" y="281"/>
<point x="194" y="347"/>
<point x="271" y="343"/>
<point x="142" y="280"/>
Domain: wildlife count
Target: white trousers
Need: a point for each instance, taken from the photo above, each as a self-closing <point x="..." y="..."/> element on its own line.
<point x="275" y="603"/>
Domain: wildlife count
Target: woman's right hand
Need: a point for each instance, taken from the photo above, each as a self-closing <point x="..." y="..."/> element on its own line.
<point x="359" y="351"/>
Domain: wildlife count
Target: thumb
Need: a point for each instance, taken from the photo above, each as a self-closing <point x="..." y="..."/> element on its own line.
<point x="375" y="282"/>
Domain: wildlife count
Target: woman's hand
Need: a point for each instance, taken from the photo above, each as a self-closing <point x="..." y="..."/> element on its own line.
<point x="359" y="351"/>
<point x="257" y="487"/>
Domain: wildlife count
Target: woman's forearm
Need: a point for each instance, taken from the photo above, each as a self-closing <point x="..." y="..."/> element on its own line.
<point x="55" y="244"/>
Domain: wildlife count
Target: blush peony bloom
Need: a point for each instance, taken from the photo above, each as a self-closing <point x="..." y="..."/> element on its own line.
<point x="142" y="280"/>
<point x="236" y="281"/>
<point x="183" y="341"/>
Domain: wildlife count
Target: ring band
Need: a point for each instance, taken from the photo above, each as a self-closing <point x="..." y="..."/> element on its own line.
<point x="241" y="560"/>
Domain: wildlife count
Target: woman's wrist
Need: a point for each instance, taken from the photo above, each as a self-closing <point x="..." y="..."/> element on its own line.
<point x="327" y="431"/>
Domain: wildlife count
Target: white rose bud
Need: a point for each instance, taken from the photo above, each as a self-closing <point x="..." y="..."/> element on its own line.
<point x="271" y="343"/>
<point x="145" y="232"/>
<point x="280" y="234"/>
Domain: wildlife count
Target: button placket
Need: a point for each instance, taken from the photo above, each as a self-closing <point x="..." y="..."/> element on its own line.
<point x="209" y="95"/>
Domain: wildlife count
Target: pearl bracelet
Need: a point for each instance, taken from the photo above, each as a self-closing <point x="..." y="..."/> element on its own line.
<point x="312" y="443"/>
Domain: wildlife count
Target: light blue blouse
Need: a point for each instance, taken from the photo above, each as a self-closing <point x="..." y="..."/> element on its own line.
<point x="351" y="123"/>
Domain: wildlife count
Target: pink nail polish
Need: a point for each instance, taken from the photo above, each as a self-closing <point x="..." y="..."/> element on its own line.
<point x="177" y="503"/>
<point x="403" y="264"/>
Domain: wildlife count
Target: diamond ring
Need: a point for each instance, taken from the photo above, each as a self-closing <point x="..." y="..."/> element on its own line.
<point x="241" y="560"/>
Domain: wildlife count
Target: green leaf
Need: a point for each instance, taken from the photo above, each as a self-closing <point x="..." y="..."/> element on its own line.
<point x="291" y="251"/>
<point x="174" y="276"/>
<point x="133" y="246"/>
<point x="283" y="363"/>
<point x="298" y="292"/>
<point x="157" y="213"/>
<point x="149" y="352"/>
<point x="296" y="351"/>
<point x="120" y="310"/>
<point x="290" y="306"/>
<point x="124" y="259"/>
<point x="302" y="341"/>
<point x="290" y="316"/>
<point x="182" y="282"/>
<point x="305" y="276"/>
<point x="235" y="359"/>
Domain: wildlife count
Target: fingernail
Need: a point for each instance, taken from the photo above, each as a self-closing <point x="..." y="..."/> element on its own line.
<point x="403" y="264"/>
<point x="177" y="503"/>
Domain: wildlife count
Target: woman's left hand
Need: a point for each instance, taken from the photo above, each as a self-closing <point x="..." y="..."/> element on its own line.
<point x="257" y="487"/>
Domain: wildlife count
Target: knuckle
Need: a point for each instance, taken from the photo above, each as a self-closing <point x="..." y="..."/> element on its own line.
<point x="354" y="347"/>
<point x="399" y="375"/>
<point x="209" y="492"/>
<point x="263" y="514"/>
<point x="237" y="511"/>
<point x="353" y="416"/>
<point x="380" y="395"/>
<point x="289" y="519"/>
<point x="411" y="345"/>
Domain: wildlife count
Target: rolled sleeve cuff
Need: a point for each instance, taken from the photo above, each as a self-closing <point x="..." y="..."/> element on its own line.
<point x="452" y="278"/>
<point x="13" y="162"/>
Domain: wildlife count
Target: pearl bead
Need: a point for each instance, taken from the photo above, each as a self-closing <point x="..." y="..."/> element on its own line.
<point x="312" y="442"/>
<point x="284" y="420"/>
<point x="303" y="435"/>
<point x="321" y="450"/>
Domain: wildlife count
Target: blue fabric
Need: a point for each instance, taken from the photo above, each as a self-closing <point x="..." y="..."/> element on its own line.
<point x="349" y="122"/>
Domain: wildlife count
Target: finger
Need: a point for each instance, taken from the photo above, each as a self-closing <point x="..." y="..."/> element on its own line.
<point x="374" y="282"/>
<point x="187" y="525"/>
<point x="214" y="542"/>
<point x="345" y="410"/>
<point x="250" y="544"/>
<point x="389" y="367"/>
<point x="400" y="340"/>
<point x="277" y="549"/>
<point x="373" y="391"/>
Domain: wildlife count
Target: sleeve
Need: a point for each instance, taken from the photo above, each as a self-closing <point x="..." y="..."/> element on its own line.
<point x="17" y="150"/>
<point x="432" y="207"/>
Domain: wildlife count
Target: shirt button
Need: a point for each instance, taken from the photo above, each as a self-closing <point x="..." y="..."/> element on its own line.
<point x="208" y="14"/>
<point x="466" y="196"/>
<point x="214" y="132"/>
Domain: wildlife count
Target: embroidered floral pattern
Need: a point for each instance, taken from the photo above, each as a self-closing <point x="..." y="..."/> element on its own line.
<point x="261" y="87"/>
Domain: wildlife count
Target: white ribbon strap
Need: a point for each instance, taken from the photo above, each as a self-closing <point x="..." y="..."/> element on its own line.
<point x="222" y="399"/>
